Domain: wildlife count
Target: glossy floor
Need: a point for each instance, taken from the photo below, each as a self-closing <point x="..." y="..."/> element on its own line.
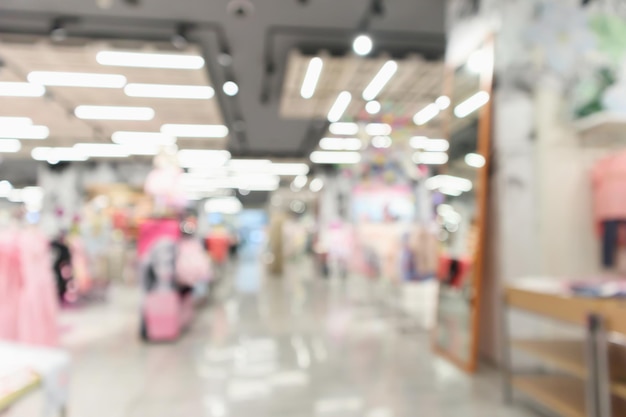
<point x="296" y="346"/>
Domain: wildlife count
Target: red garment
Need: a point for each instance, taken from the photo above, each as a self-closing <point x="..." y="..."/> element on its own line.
<point x="609" y="188"/>
<point x="218" y="244"/>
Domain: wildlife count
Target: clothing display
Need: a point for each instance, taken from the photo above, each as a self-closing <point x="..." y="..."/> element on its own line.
<point x="28" y="308"/>
<point x="609" y="200"/>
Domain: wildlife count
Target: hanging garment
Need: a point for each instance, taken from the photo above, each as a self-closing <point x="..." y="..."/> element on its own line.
<point x="37" y="305"/>
<point x="609" y="188"/>
<point x="152" y="230"/>
<point x="611" y="240"/>
<point x="10" y="286"/>
<point x="62" y="267"/>
<point x="192" y="262"/>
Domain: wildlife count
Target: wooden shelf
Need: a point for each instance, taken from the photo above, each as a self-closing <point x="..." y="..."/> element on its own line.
<point x="566" y="396"/>
<point x="568" y="356"/>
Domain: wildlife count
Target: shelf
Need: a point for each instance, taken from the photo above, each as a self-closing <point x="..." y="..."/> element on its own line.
<point x="565" y="396"/>
<point x="568" y="356"/>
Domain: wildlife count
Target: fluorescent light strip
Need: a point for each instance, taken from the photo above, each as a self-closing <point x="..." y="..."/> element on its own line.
<point x="10" y="145"/>
<point x="21" y="89"/>
<point x="431" y="145"/>
<point x="76" y="79"/>
<point x="344" y="128"/>
<point x="102" y="150"/>
<point x="430" y="158"/>
<point x="340" y="106"/>
<point x="24" y="132"/>
<point x="149" y="60"/>
<point x="380" y="80"/>
<point x="15" y="121"/>
<point x="289" y="169"/>
<point x="381" y="142"/>
<point x="142" y="138"/>
<point x="340" y="144"/>
<point x="378" y="129"/>
<point x="249" y="165"/>
<point x="426" y="114"/>
<point x="197" y="92"/>
<point x="58" y="154"/>
<point x="323" y="157"/>
<point x="114" y="113"/>
<point x="190" y="158"/>
<point x="449" y="182"/>
<point x="443" y="102"/>
<point x="195" y="131"/>
<point x="311" y="77"/>
<point x="471" y="104"/>
<point x="475" y="160"/>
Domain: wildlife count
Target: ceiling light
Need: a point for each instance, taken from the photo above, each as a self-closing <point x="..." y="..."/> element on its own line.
<point x="5" y="188"/>
<point x="381" y="142"/>
<point x="373" y="107"/>
<point x="432" y="145"/>
<point x="450" y="191"/>
<point x="344" y="128"/>
<point x="475" y="160"/>
<point x="21" y="89"/>
<point x="189" y="158"/>
<point x="340" y="106"/>
<point x="179" y="39"/>
<point x="448" y="181"/>
<point x="380" y="80"/>
<point x="378" y="129"/>
<point x="58" y="33"/>
<point x="249" y="164"/>
<point x="15" y="121"/>
<point x="199" y="92"/>
<point x="443" y="102"/>
<point x="471" y="104"/>
<point x="479" y="61"/>
<point x="102" y="150"/>
<point x="142" y="138"/>
<point x="146" y="150"/>
<point x="10" y="145"/>
<point x="324" y="157"/>
<point x="340" y="144"/>
<point x="316" y="185"/>
<point x="224" y="205"/>
<point x="289" y="169"/>
<point x="311" y="78"/>
<point x="230" y="88"/>
<point x="56" y="155"/>
<point x="362" y="45"/>
<point x="114" y="113"/>
<point x="430" y="158"/>
<point x="149" y="60"/>
<point x="76" y="79"/>
<point x="426" y="114"/>
<point x="195" y="131"/>
<point x="24" y="132"/>
<point x="300" y="181"/>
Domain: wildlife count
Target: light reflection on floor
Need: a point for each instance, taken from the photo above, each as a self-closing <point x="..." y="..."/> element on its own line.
<point x="296" y="346"/>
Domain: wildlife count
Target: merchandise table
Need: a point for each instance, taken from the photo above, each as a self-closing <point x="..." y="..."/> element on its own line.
<point x="588" y="376"/>
<point x="25" y="368"/>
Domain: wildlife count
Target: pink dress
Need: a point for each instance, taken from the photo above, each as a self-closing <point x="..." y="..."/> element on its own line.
<point x="609" y="188"/>
<point x="10" y="286"/>
<point x="38" y="308"/>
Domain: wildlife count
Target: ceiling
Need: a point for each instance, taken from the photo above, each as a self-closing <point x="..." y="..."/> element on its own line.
<point x="267" y="117"/>
<point x="56" y="108"/>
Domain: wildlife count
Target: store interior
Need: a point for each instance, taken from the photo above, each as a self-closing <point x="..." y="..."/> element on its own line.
<point x="308" y="208"/>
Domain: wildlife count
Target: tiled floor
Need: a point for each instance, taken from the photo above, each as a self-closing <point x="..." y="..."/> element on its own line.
<point x="296" y="346"/>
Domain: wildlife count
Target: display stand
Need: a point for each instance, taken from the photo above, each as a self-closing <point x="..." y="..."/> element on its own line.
<point x="581" y="384"/>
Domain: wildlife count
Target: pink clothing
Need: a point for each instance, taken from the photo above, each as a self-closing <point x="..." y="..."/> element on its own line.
<point x="609" y="188"/>
<point x="152" y="230"/>
<point x="28" y="306"/>
<point x="192" y="262"/>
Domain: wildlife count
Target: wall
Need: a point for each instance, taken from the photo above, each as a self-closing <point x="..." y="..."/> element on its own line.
<point x="553" y="60"/>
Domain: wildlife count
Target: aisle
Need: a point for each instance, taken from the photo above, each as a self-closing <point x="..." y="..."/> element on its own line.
<point x="291" y="347"/>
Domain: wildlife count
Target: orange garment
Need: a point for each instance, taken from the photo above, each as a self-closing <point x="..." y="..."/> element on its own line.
<point x="218" y="244"/>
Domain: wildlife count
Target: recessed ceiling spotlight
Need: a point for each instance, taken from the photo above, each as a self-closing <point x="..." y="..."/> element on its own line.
<point x="362" y="45"/>
<point x="58" y="33"/>
<point x="225" y="59"/>
<point x="230" y="88"/>
<point x="373" y="107"/>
